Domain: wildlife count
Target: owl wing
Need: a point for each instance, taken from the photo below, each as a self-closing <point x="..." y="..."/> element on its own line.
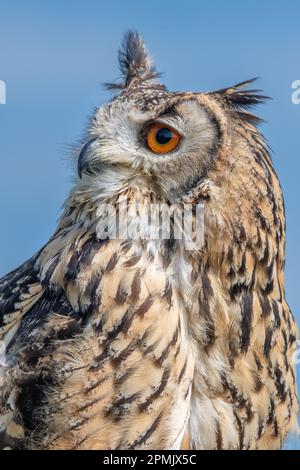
<point x="106" y="359"/>
<point x="19" y="291"/>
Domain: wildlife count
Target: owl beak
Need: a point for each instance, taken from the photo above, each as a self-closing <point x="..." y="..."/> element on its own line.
<point x="84" y="159"/>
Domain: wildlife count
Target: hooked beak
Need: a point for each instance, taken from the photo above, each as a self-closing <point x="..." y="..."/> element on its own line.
<point x="84" y="159"/>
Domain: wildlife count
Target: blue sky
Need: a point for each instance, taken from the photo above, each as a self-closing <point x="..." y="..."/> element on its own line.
<point x="55" y="55"/>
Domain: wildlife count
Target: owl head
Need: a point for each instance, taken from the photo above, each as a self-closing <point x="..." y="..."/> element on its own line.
<point x="147" y="136"/>
<point x="172" y="143"/>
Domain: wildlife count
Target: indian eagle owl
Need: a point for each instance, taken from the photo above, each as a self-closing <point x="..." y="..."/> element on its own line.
<point x="133" y="343"/>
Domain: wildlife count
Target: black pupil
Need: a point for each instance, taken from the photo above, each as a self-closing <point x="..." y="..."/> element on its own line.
<point x="164" y="135"/>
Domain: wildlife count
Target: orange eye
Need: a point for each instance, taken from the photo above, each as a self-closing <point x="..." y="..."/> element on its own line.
<point x="162" y="138"/>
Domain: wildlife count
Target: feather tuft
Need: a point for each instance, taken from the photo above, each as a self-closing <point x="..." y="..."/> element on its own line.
<point x="241" y="100"/>
<point x="135" y="64"/>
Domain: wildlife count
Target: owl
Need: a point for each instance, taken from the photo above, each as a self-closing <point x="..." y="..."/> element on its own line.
<point x="116" y="340"/>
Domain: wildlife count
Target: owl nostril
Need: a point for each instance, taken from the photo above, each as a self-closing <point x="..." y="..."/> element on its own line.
<point x="84" y="156"/>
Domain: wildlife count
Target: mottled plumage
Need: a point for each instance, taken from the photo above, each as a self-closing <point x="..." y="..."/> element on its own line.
<point x="141" y="344"/>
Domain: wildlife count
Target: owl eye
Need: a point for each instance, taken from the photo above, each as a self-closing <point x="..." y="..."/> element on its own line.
<point x="162" y="138"/>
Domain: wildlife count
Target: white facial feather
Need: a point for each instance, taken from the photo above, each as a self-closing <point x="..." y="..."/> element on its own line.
<point x="120" y="154"/>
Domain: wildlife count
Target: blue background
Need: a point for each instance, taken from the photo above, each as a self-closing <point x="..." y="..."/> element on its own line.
<point x="55" y="55"/>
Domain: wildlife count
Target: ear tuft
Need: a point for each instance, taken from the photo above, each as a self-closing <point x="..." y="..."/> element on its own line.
<point x="135" y="64"/>
<point x="241" y="100"/>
